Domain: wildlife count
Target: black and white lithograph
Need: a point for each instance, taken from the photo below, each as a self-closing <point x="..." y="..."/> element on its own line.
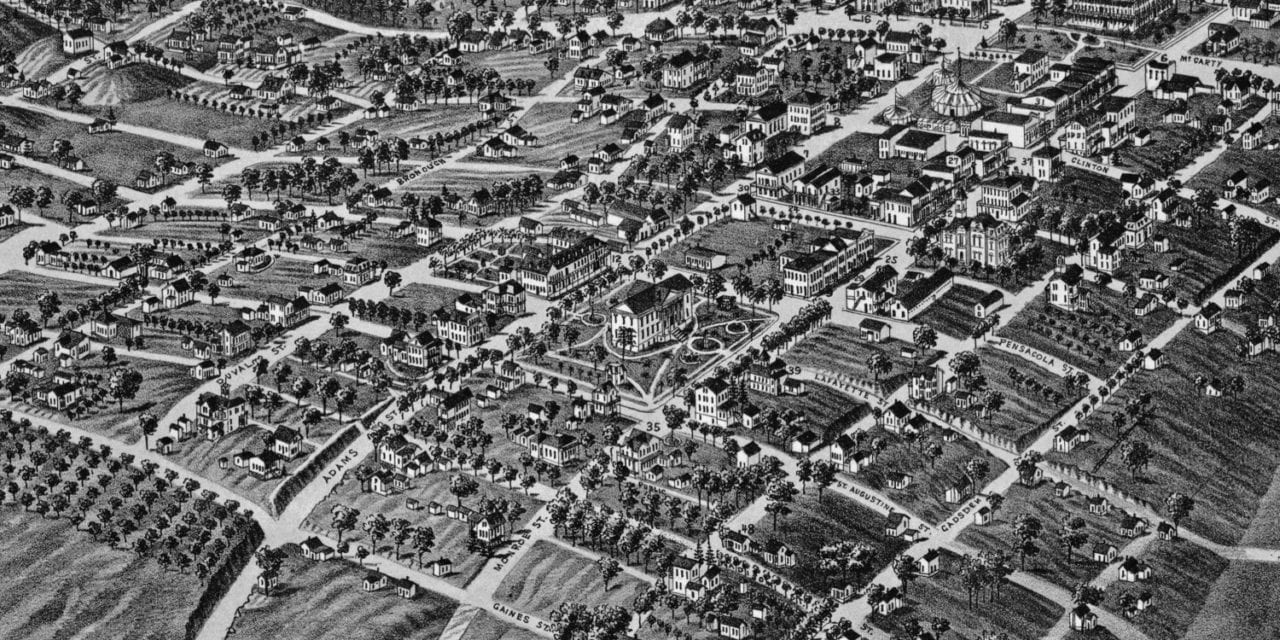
<point x="639" y="319"/>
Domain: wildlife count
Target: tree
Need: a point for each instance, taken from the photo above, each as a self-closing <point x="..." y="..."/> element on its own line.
<point x="423" y="541"/>
<point x="270" y="560"/>
<point x="344" y="519"/>
<point x="124" y="384"/>
<point x="907" y="570"/>
<point x="1135" y="455"/>
<point x="463" y="486"/>
<point x="609" y="569"/>
<point x="1178" y="506"/>
<point x="779" y="493"/>
<point x="1026" y="530"/>
<point x="924" y="338"/>
<point x="879" y="364"/>
<point x="148" y="423"/>
<point x="392" y="279"/>
<point x="1072" y="535"/>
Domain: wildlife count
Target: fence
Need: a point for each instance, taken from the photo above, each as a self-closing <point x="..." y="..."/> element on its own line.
<point x="966" y="427"/>
<point x="309" y="470"/>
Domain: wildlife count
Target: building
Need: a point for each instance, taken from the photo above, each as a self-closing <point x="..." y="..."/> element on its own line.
<point x="685" y="69"/>
<point x="980" y="240"/>
<point x="1006" y="199"/>
<point x="1116" y="16"/>
<point x="1066" y="290"/>
<point x="652" y="312"/>
<point x="806" y="112"/>
<point x="826" y="261"/>
<point x="564" y="269"/>
<point x="77" y="41"/>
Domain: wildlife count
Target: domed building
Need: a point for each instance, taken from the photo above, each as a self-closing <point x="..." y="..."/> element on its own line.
<point x="898" y="114"/>
<point x="952" y="97"/>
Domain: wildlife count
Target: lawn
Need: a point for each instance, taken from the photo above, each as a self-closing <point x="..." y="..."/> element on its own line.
<point x="63" y="584"/>
<point x="1206" y="447"/>
<point x="1086" y="340"/>
<point x="164" y="384"/>
<point x="1259" y="163"/>
<point x="281" y="278"/>
<point x="451" y="535"/>
<point x="1051" y="562"/>
<point x="323" y="600"/>
<point x="1207" y="251"/>
<point x="1016" y="610"/>
<point x="839" y="349"/>
<point x="550" y="574"/>
<point x="558" y="138"/>
<point x="187" y="231"/>
<point x="1055" y="43"/>
<point x="1033" y="397"/>
<point x="488" y="627"/>
<point x="376" y="245"/>
<point x="1182" y="575"/>
<point x="924" y="496"/>
<point x="420" y="296"/>
<point x="813" y="525"/>
<point x="115" y="156"/>
<point x="753" y="245"/>
<point x="1239" y="603"/>
<point x="952" y="314"/>
<point x="19" y="290"/>
<point x="18" y="30"/>
<point x="202" y="457"/>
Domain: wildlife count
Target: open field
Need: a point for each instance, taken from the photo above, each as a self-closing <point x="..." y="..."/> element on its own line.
<point x="19" y="290"/>
<point x="114" y="156"/>
<point x="41" y="57"/>
<point x="420" y="296"/>
<point x="840" y="349"/>
<point x="1182" y="576"/>
<point x="1016" y="611"/>
<point x="557" y="138"/>
<point x="320" y="600"/>
<point x="486" y="626"/>
<point x="1051" y="562"/>
<point x="281" y="278"/>
<point x="19" y="30"/>
<point x="1203" y="446"/>
<point x="1086" y="340"/>
<point x="435" y="118"/>
<point x="751" y="245"/>
<point x="1033" y="397"/>
<point x="60" y="583"/>
<point x="930" y="480"/>
<point x="163" y="385"/>
<point x="1259" y="163"/>
<point x="550" y="574"/>
<point x="952" y="314"/>
<point x="451" y="535"/>
<point x="812" y="525"/>
<point x="188" y="231"/>
<point x="203" y="458"/>
<point x="1240" y="602"/>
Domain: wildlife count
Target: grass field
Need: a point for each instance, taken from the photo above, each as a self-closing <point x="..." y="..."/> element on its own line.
<point x="1206" y="249"/>
<point x="179" y="233"/>
<point x="1051" y="563"/>
<point x="952" y="314"/>
<point x="114" y="156"/>
<point x="1182" y="576"/>
<point x="41" y="57"/>
<point x="924" y="496"/>
<point x="451" y="535"/>
<point x="1259" y="163"/>
<point x="1239" y="603"/>
<point x="436" y="118"/>
<point x="1016" y="611"/>
<point x="557" y="138"/>
<point x="489" y="627"/>
<point x="1031" y="402"/>
<point x="163" y="385"/>
<point x="18" y="30"/>
<point x="420" y="296"/>
<point x="840" y="349"/>
<point x="1208" y="447"/>
<point x="281" y="278"/>
<point x="550" y="574"/>
<point x="201" y="457"/>
<point x="61" y="584"/>
<point x="751" y="245"/>
<point x="19" y="290"/>
<point x="811" y="525"/>
<point x="1084" y="340"/>
<point x="322" y="600"/>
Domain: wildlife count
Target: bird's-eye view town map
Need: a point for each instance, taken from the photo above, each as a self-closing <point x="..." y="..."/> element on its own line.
<point x="639" y="319"/>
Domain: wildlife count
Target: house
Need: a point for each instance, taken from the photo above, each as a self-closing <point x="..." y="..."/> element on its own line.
<point x="1098" y="505"/>
<point x="1104" y="553"/>
<point x="284" y="312"/>
<point x="733" y="627"/>
<point x="1209" y="318"/>
<point x="777" y="553"/>
<point x="77" y="41"/>
<point x="1134" y="570"/>
<point x="313" y="549"/>
<point x="1153" y="359"/>
<point x="891" y="601"/>
<point x="374" y="581"/>
<point x="987" y="305"/>
<point x="1083" y="618"/>
<point x="71" y="343"/>
<point x="1069" y="437"/>
<point x="217" y="415"/>
<point x="927" y="563"/>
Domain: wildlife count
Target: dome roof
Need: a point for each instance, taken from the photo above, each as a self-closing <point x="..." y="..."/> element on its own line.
<point x="955" y="99"/>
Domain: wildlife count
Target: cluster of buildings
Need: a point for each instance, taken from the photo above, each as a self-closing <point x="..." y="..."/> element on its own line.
<point x="901" y="297"/>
